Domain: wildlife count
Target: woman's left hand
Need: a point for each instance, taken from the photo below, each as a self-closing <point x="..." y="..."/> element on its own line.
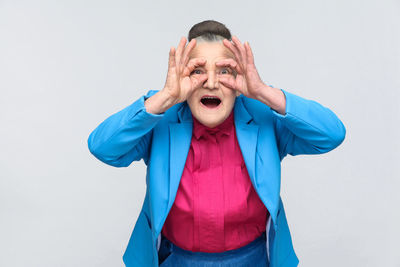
<point x="247" y="80"/>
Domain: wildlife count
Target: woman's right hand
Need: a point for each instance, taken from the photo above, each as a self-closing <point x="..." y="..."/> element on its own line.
<point x="179" y="84"/>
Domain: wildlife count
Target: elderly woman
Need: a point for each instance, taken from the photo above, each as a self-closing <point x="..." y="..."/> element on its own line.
<point x="213" y="139"/>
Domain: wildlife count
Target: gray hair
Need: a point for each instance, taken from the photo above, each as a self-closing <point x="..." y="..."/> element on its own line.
<point x="209" y="37"/>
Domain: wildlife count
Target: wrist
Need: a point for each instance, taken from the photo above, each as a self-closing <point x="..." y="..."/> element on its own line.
<point x="264" y="94"/>
<point x="274" y="98"/>
<point x="158" y="103"/>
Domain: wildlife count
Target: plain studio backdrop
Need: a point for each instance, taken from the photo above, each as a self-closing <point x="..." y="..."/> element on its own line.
<point x="65" y="66"/>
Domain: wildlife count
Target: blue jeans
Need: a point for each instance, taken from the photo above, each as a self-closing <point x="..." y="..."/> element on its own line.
<point x="253" y="254"/>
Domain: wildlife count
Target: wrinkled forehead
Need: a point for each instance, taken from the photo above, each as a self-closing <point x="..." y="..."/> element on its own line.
<point x="210" y="50"/>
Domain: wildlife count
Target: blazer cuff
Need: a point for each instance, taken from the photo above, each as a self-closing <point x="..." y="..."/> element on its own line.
<point x="138" y="111"/>
<point x="296" y="106"/>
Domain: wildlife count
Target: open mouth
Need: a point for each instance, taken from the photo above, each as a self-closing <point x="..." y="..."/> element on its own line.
<point x="210" y="101"/>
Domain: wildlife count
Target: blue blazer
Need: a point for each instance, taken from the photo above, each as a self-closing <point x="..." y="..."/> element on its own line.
<point x="162" y="140"/>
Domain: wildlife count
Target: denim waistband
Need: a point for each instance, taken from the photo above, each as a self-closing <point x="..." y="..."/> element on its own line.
<point x="259" y="241"/>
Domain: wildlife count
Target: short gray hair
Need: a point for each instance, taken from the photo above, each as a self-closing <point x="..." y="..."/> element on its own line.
<point x="209" y="38"/>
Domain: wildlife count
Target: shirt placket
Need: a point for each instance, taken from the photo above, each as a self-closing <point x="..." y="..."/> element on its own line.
<point x="211" y="234"/>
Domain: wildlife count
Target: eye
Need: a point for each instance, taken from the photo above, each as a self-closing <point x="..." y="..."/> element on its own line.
<point x="196" y="71"/>
<point x="226" y="71"/>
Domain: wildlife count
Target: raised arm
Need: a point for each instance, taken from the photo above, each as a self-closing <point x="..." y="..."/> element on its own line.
<point x="302" y="126"/>
<point x="126" y="135"/>
<point x="307" y="127"/>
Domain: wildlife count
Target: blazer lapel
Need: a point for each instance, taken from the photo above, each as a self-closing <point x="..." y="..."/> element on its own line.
<point x="247" y="131"/>
<point x="180" y="137"/>
<point x="247" y="135"/>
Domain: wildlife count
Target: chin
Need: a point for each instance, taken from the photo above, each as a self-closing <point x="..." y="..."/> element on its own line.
<point x="210" y="122"/>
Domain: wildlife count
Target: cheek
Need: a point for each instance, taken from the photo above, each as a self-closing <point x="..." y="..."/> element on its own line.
<point x="193" y="104"/>
<point x="230" y="97"/>
<point x="191" y="100"/>
<point x="227" y="92"/>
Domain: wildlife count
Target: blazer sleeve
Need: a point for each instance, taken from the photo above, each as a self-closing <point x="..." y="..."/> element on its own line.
<point x="307" y="127"/>
<point x="126" y="135"/>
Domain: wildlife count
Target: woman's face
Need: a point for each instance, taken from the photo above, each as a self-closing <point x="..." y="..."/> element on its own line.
<point x="211" y="103"/>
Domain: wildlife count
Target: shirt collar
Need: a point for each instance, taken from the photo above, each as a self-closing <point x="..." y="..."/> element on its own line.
<point x="225" y="127"/>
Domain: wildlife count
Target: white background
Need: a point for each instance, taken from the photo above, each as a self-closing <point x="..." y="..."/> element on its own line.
<point x="65" y="66"/>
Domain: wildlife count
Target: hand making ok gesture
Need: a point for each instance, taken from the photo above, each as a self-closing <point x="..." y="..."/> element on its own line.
<point x="180" y="84"/>
<point x="247" y="80"/>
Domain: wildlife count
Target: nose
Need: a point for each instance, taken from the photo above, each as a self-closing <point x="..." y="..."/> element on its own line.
<point x="211" y="82"/>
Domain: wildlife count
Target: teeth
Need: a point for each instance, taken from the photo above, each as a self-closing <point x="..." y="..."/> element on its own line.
<point x="210" y="97"/>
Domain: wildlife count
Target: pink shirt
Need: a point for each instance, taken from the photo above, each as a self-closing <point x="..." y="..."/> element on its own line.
<point x="216" y="207"/>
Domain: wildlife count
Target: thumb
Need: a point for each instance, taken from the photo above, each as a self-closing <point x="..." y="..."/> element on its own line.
<point x="198" y="81"/>
<point x="228" y="82"/>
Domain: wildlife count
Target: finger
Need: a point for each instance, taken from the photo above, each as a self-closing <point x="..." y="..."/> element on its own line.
<point x="233" y="48"/>
<point x="229" y="82"/>
<point x="240" y="46"/>
<point x="192" y="64"/>
<point x="229" y="62"/>
<point x="250" y="55"/>
<point x="198" y="81"/>
<point x="179" y="50"/>
<point x="187" y="51"/>
<point x="171" y="59"/>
